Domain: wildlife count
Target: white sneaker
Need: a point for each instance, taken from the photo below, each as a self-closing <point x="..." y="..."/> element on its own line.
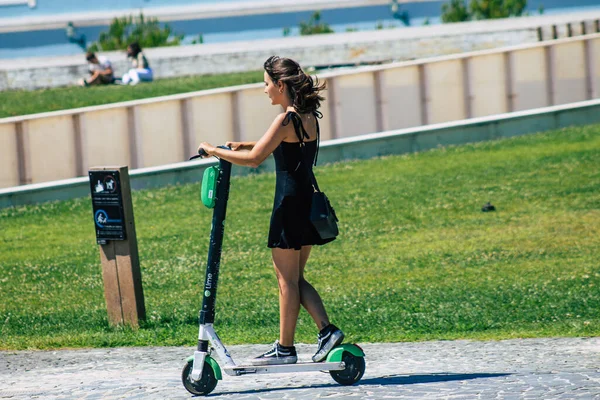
<point x="277" y="355"/>
<point x="332" y="337"/>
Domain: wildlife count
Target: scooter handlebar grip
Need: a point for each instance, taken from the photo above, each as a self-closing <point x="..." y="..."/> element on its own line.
<point x="201" y="154"/>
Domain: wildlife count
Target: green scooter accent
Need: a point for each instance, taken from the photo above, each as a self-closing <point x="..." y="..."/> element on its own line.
<point x="335" y="355"/>
<point x="213" y="363"/>
<point x="209" y="186"/>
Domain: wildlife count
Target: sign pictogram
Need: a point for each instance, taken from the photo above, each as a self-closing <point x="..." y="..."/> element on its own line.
<point x="107" y="204"/>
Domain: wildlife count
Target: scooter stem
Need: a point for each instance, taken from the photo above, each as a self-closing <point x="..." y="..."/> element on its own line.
<point x="207" y="313"/>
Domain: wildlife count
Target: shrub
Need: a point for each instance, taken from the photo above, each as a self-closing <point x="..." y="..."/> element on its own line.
<point x="146" y="31"/>
<point x="314" y="26"/>
<point x="458" y="11"/>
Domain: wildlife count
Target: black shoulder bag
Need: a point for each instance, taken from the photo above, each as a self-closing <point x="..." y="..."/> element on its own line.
<point x="322" y="214"/>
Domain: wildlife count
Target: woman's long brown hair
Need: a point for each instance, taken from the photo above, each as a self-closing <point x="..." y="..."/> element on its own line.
<point x="303" y="91"/>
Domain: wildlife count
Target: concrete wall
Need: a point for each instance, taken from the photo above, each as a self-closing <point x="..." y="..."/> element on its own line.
<point x="9" y="160"/>
<point x="319" y="50"/>
<point x="360" y="147"/>
<point x="152" y="132"/>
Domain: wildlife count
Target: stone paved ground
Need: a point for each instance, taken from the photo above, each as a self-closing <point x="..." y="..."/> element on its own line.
<point x="511" y="369"/>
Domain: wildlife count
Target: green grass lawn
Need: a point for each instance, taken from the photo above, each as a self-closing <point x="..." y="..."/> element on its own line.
<point x="21" y="102"/>
<point x="416" y="259"/>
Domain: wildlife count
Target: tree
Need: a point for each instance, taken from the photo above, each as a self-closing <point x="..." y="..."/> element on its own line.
<point x="314" y="26"/>
<point x="125" y="30"/>
<point x="457" y="10"/>
<point x="491" y="9"/>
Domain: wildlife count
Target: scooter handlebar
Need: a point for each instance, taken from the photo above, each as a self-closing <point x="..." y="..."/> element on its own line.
<point x="202" y="153"/>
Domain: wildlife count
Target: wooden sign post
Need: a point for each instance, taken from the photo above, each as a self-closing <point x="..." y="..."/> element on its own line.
<point x="115" y="233"/>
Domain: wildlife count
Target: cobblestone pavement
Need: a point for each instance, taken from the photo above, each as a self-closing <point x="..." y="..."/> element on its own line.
<point x="510" y="369"/>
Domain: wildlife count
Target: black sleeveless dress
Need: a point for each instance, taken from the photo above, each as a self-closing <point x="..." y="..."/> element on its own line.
<point x="290" y="226"/>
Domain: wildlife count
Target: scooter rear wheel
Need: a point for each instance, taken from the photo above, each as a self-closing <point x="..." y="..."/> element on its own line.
<point x="202" y="387"/>
<point x="354" y="371"/>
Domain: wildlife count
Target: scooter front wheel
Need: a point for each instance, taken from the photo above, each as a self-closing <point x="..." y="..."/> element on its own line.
<point x="354" y="371"/>
<point x="202" y="387"/>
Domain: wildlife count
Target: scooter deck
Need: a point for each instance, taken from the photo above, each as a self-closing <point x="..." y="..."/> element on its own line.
<point x="282" y="368"/>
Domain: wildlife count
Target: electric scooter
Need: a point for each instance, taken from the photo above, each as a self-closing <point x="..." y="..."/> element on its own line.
<point x="200" y="375"/>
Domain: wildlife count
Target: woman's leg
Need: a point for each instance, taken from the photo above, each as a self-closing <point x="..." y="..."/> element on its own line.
<point x="144" y="74"/>
<point x="126" y="78"/>
<point x="134" y="77"/>
<point x="309" y="297"/>
<point x="100" y="80"/>
<point x="329" y="335"/>
<point x="94" y="79"/>
<point x="287" y="268"/>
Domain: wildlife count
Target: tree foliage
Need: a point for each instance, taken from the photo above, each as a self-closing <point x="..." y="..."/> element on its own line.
<point x="148" y="32"/>
<point x="458" y="11"/>
<point x="455" y="11"/>
<point x="314" y="26"/>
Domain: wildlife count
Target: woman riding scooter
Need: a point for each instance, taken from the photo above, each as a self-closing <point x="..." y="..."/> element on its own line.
<point x="292" y="138"/>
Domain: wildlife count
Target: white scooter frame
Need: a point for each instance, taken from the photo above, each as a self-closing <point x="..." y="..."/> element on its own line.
<point x="207" y="332"/>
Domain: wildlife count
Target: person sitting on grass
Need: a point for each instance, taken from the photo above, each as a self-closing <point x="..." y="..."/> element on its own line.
<point x="101" y="71"/>
<point x="141" y="70"/>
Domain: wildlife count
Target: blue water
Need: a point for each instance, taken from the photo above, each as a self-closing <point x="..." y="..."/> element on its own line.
<point x="387" y="23"/>
<point x="218" y="30"/>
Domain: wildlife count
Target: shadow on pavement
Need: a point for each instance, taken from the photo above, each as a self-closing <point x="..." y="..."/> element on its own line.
<point x="426" y="378"/>
<point x="384" y="380"/>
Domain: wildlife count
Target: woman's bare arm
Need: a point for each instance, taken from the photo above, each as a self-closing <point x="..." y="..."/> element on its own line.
<point x="235" y="146"/>
<point x="260" y="150"/>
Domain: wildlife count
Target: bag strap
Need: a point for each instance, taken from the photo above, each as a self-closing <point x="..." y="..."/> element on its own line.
<point x="314" y="181"/>
<point x="317" y="115"/>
